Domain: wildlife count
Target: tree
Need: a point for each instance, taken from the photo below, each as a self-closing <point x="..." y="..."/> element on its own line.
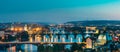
<point x="24" y="36"/>
<point x="74" y="47"/>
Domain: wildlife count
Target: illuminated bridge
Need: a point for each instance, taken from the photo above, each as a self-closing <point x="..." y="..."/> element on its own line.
<point x="40" y="42"/>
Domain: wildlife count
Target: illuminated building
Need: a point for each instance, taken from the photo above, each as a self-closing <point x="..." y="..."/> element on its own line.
<point x="12" y="28"/>
<point x="25" y="28"/>
<point x="37" y="29"/>
<point x="97" y="31"/>
<point x="16" y="28"/>
<point x="22" y="27"/>
<point x="37" y="38"/>
<point x="101" y="39"/>
<point x="90" y="28"/>
<point x="30" y="32"/>
<point x="2" y="33"/>
<point x="88" y="43"/>
<point x="30" y="39"/>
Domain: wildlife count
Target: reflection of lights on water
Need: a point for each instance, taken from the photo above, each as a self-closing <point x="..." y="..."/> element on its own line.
<point x="67" y="46"/>
<point x="26" y="48"/>
<point x="29" y="48"/>
<point x="12" y="49"/>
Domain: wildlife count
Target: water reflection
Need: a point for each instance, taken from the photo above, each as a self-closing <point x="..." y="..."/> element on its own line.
<point x="29" y="48"/>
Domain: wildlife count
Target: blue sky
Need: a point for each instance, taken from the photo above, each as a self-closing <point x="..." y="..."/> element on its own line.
<point x="58" y="11"/>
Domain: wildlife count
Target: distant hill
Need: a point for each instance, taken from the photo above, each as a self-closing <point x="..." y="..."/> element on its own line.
<point x="40" y="23"/>
<point x="96" y="22"/>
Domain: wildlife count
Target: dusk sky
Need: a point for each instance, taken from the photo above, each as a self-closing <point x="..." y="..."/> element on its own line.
<point x="58" y="11"/>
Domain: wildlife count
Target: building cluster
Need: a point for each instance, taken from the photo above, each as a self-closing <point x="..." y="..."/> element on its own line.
<point x="92" y="35"/>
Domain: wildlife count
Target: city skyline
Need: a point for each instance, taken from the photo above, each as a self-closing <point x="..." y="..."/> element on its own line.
<point x="58" y="11"/>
